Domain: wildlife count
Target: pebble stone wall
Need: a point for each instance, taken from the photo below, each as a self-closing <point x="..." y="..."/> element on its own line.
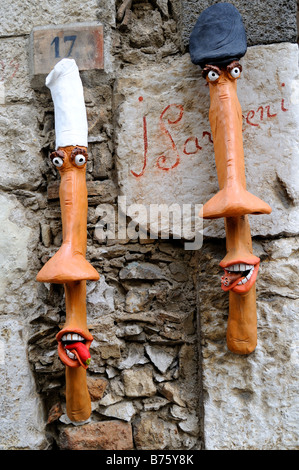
<point x="161" y="376"/>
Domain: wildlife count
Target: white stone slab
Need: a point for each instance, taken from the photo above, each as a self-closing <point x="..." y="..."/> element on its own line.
<point x="21" y="412"/>
<point x="163" y="111"/>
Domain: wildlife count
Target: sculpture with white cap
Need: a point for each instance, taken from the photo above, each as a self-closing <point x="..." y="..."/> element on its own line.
<point x="69" y="266"/>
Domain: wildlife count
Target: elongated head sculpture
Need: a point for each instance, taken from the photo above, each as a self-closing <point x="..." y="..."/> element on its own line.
<point x="69" y="266"/>
<point x="217" y="43"/>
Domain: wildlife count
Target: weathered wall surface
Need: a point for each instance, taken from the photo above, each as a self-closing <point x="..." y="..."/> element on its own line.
<point x="161" y="376"/>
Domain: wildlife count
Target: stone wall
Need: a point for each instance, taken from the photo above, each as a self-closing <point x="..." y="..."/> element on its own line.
<point x="161" y="376"/>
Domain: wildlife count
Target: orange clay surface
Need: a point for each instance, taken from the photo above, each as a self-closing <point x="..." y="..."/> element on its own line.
<point x="226" y="124"/>
<point x="69" y="263"/>
<point x="233" y="202"/>
<point x="69" y="267"/>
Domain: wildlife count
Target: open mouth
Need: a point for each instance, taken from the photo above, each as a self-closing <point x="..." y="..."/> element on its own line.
<point x="70" y="339"/>
<point x="73" y="348"/>
<point x="239" y="277"/>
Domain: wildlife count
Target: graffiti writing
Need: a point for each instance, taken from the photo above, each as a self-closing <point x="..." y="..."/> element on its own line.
<point x="8" y="69"/>
<point x="173" y="114"/>
<point x="254" y="117"/>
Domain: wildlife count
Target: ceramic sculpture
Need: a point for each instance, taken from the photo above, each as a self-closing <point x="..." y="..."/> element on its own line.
<point x="217" y="43"/>
<point x="69" y="265"/>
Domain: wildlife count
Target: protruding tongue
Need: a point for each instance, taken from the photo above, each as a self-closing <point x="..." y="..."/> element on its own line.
<point x="229" y="280"/>
<point x="81" y="352"/>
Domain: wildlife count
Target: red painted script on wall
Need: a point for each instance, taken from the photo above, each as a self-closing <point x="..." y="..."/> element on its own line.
<point x="173" y="114"/>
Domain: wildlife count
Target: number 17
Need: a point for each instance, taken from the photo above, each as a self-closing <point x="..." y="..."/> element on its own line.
<point x="65" y="39"/>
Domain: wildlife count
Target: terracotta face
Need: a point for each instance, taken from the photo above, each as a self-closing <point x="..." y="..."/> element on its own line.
<point x="226" y="124"/>
<point x="233" y="200"/>
<point x="69" y="265"/>
<point x="240" y="264"/>
<point x="217" y="43"/>
<point x="234" y="203"/>
<point x="75" y="328"/>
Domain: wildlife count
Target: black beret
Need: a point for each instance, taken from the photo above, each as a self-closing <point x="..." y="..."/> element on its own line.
<point x="218" y="36"/>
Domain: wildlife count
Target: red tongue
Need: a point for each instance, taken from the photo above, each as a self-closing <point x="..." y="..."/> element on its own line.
<point x="229" y="280"/>
<point x="81" y="352"/>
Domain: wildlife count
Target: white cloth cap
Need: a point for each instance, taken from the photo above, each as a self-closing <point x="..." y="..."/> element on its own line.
<point x="71" y="126"/>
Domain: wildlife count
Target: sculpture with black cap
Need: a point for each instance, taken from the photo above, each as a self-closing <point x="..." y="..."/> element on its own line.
<point x="217" y="43"/>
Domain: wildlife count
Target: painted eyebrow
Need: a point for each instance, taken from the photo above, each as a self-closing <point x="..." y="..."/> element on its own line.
<point x="57" y="153"/>
<point x="234" y="64"/>
<point x="208" y="68"/>
<point x="79" y="150"/>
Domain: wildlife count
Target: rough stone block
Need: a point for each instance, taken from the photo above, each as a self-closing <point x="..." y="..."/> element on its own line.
<point x="21" y="164"/>
<point x="49" y="12"/>
<point x="123" y="410"/>
<point x="14" y="72"/>
<point x="251" y="401"/>
<point x="164" y="139"/>
<point x="152" y="432"/>
<point x="96" y="387"/>
<point x="104" y="435"/>
<point x="264" y="23"/>
<point x="21" y="412"/>
<point x="146" y="271"/>
<point x="139" y="383"/>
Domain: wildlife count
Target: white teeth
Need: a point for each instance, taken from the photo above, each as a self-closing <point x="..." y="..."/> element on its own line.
<point x="243" y="281"/>
<point x="70" y="354"/>
<point x="72" y="337"/>
<point x="240" y="267"/>
<point x="233" y="267"/>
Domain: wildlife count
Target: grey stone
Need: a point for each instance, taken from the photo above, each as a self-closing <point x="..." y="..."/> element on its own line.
<point x="110" y="399"/>
<point x="144" y="271"/>
<point x="14" y="75"/>
<point x="21" y="165"/>
<point x="100" y="299"/>
<point x="154" y="403"/>
<point x="264" y="23"/>
<point x="152" y="432"/>
<point x="50" y="12"/>
<point x="253" y="396"/>
<point x="171" y="391"/>
<point x="46" y="234"/>
<point x="268" y="106"/>
<point x="134" y="355"/>
<point x="136" y="299"/>
<point x="139" y="383"/>
<point x="19" y="401"/>
<point x="162" y="358"/>
<point x="123" y="410"/>
<point x="129" y="330"/>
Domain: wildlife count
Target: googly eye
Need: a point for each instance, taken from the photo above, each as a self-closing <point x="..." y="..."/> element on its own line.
<point x="57" y="161"/>
<point x="213" y="76"/>
<point x="80" y="160"/>
<point x="235" y="72"/>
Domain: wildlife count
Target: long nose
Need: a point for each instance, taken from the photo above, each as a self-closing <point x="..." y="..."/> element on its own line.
<point x="226" y="124"/>
<point x="69" y="263"/>
<point x="73" y="202"/>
